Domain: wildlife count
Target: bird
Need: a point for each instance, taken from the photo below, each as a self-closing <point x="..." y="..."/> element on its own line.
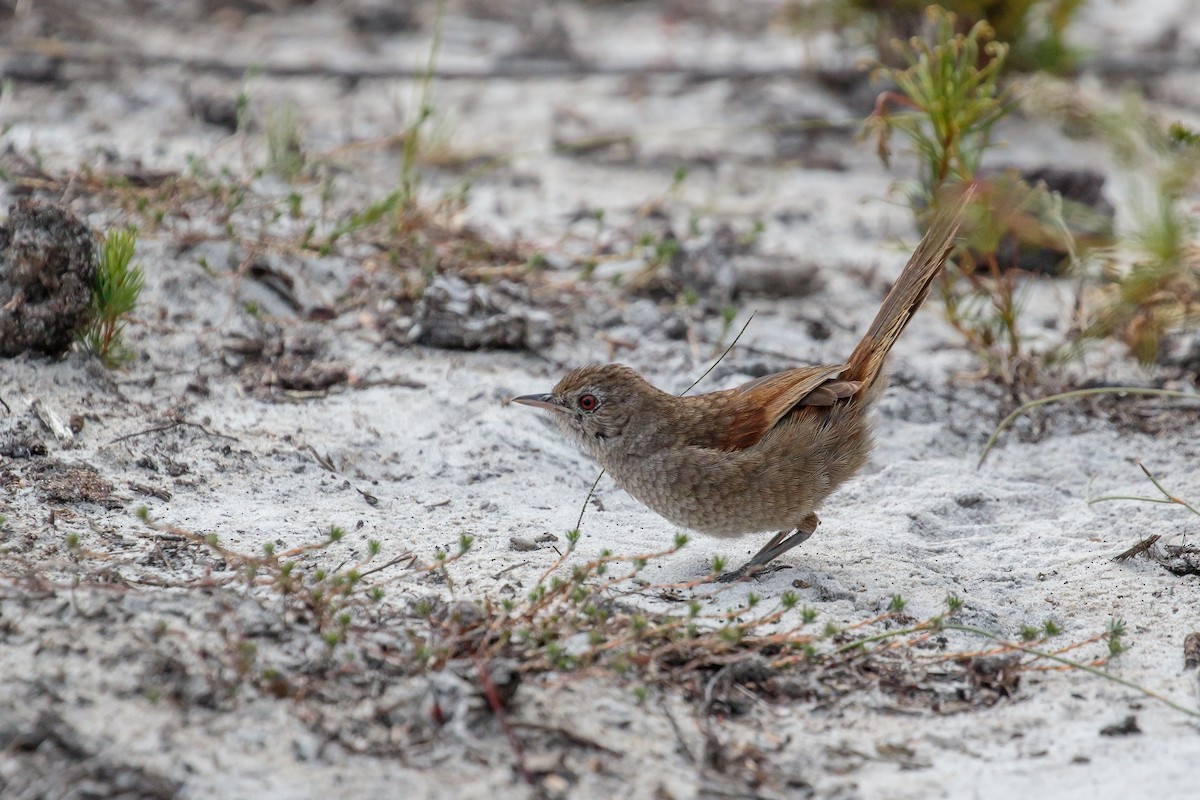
<point x="759" y="457"/>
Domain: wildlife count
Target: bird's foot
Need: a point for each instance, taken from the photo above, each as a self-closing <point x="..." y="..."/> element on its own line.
<point x="756" y="571"/>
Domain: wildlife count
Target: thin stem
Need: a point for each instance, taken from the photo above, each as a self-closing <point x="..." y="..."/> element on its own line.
<point x="1075" y="664"/>
<point x="586" y="500"/>
<point x="1054" y="398"/>
<point x="722" y="356"/>
<point x="927" y="625"/>
<point x="1133" y="497"/>
<point x="1170" y="498"/>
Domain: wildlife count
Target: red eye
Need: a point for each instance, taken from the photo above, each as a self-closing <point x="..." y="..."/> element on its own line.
<point x="588" y="402"/>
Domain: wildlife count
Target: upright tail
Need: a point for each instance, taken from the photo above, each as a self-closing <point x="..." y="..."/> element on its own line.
<point x="907" y="295"/>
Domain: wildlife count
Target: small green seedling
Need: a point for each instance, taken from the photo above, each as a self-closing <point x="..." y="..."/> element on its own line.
<point x="114" y="297"/>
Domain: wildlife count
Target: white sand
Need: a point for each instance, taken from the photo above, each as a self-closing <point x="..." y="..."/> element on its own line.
<point x="1016" y="539"/>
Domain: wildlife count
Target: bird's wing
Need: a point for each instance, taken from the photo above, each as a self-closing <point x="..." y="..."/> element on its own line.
<point x="745" y="414"/>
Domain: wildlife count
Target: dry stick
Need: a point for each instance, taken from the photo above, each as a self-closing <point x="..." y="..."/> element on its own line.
<point x="558" y="562"/>
<point x="168" y="426"/>
<point x="407" y="555"/>
<point x="692" y="584"/>
<point x="1145" y="544"/>
<point x="1054" y="398"/>
<point x="1141" y="547"/>
<point x="586" y="500"/>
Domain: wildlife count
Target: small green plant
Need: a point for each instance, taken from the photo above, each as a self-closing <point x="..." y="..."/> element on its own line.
<point x="1035" y="29"/>
<point x="331" y="598"/>
<point x="1151" y="286"/>
<point x="947" y="100"/>
<point x="575" y="619"/>
<point x="1182" y="134"/>
<point x="242" y="101"/>
<point x="114" y="296"/>
<point x="728" y="315"/>
<point x="285" y="151"/>
<point x="950" y="99"/>
<point x="413" y="134"/>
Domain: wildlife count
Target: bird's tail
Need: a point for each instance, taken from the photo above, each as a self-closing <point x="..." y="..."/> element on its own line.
<point x="908" y="293"/>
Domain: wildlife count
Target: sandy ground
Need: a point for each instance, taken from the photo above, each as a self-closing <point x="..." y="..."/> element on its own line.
<point x="117" y="685"/>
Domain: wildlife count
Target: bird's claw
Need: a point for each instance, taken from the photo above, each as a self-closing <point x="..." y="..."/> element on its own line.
<point x="756" y="571"/>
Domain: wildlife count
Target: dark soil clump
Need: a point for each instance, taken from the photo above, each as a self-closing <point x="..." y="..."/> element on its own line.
<point x="47" y="268"/>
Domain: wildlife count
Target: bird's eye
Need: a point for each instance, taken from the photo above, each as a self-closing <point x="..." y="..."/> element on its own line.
<point x="588" y="402"/>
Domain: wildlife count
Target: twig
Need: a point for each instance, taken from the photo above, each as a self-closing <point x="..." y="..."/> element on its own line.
<point x="497" y="707"/>
<point x="683" y="745"/>
<point x="168" y="426"/>
<point x="150" y="491"/>
<point x="323" y="461"/>
<point x="569" y="735"/>
<point x="407" y="555"/>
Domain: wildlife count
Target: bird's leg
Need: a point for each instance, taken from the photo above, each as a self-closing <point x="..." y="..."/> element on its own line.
<point x="780" y="543"/>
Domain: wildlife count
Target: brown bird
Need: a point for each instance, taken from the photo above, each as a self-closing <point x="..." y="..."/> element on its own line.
<point x="759" y="457"/>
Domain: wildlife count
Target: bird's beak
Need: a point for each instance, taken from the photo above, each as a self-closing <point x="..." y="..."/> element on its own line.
<point x="540" y="400"/>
